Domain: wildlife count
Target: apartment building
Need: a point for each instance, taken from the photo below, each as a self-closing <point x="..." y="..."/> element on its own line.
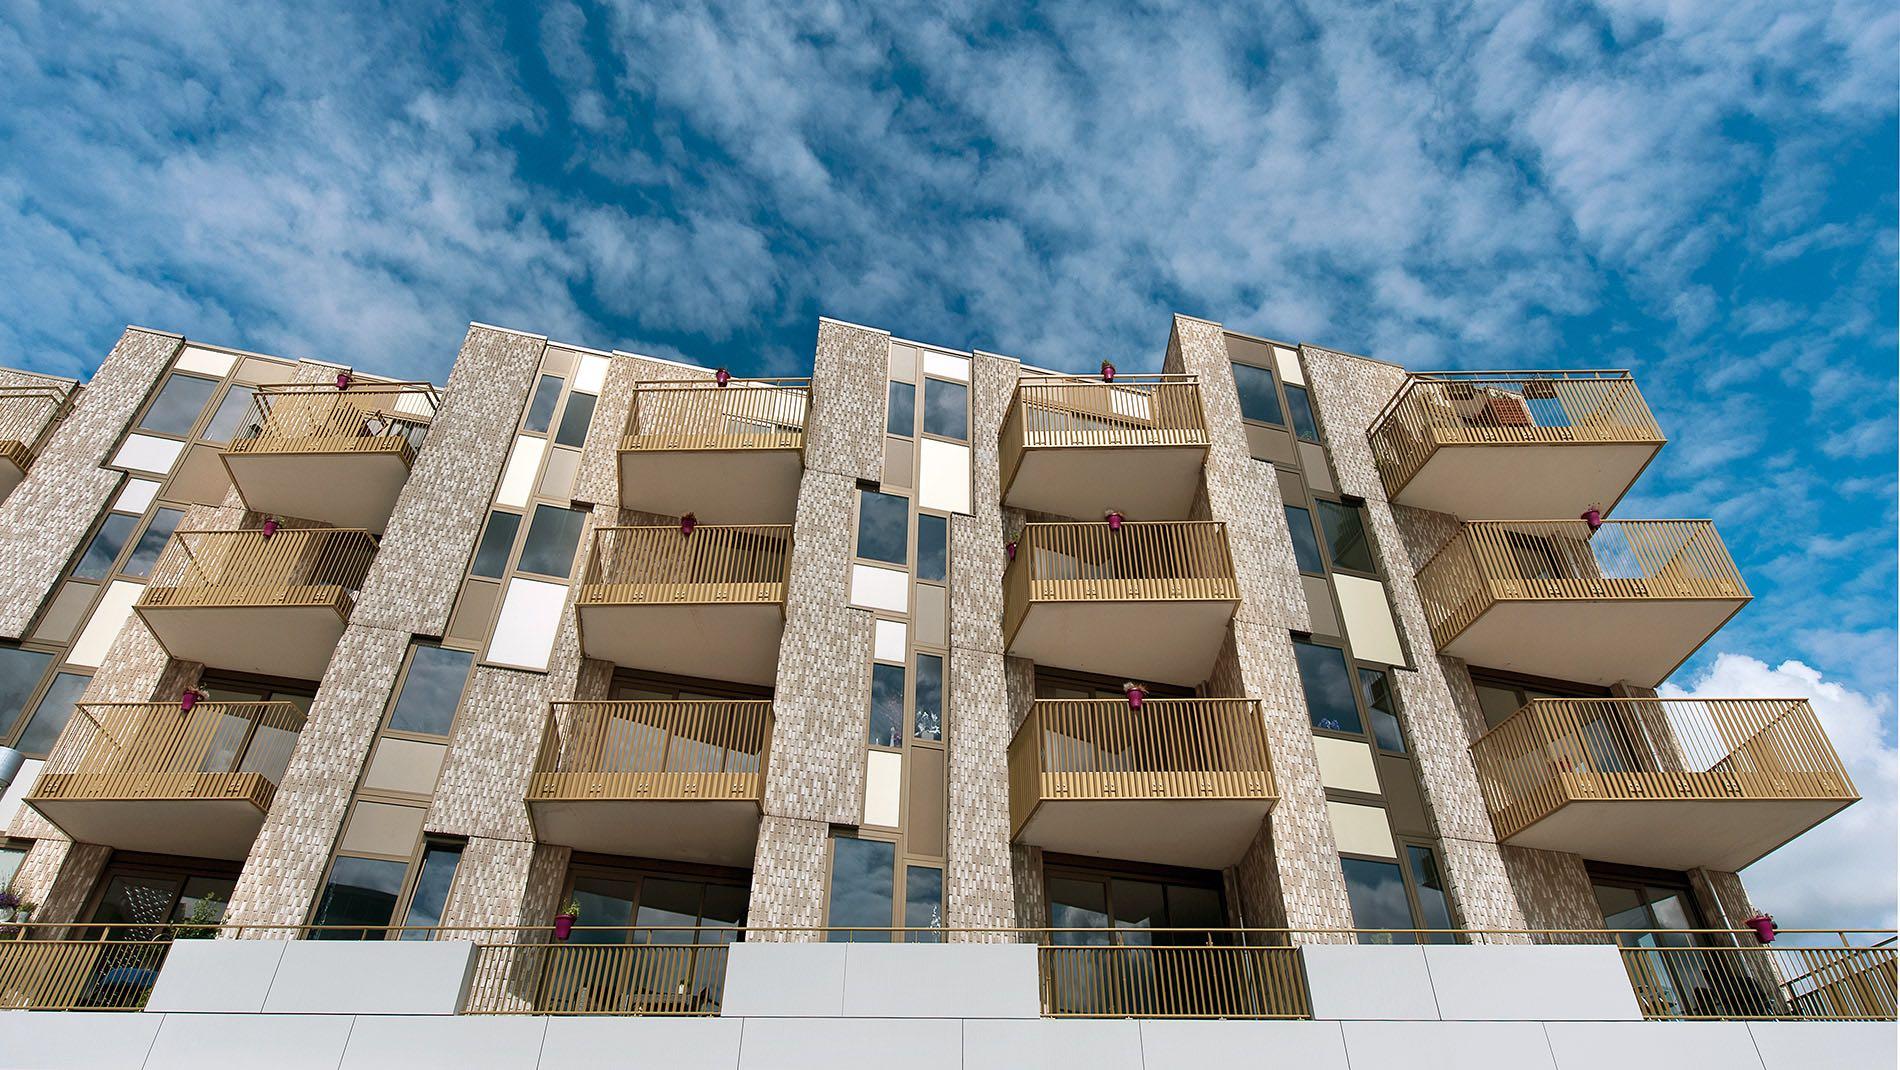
<point x="613" y="670"/>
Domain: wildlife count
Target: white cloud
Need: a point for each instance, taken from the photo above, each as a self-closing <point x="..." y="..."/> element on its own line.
<point x="1841" y="873"/>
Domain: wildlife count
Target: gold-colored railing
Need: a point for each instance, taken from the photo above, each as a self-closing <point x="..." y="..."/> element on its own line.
<point x="713" y="749"/>
<point x="1146" y="561"/>
<point x="1747" y="980"/>
<point x="698" y="415"/>
<point x="157" y="750"/>
<point x="622" y="972"/>
<point x="1071" y="413"/>
<point x="25" y="414"/>
<point x="1093" y="749"/>
<point x="368" y="417"/>
<point x="715" y="563"/>
<point x="1505" y="408"/>
<point x="1141" y="980"/>
<point x="112" y="969"/>
<point x="293" y="567"/>
<point x="1493" y="561"/>
<point x="1557" y="751"/>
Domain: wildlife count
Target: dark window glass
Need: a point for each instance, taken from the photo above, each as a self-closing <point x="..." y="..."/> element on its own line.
<point x="929" y="704"/>
<point x="1382" y="709"/>
<point x="923" y="901"/>
<point x="1377" y="893"/>
<point x="1328" y="687"/>
<point x="432" y="888"/>
<point x="574" y="420"/>
<point x="887" y="705"/>
<point x="1498" y="703"/>
<point x="178" y="404"/>
<point x="431" y="691"/>
<point x="883" y="527"/>
<point x="862" y="875"/>
<point x="103" y="550"/>
<point x="901" y="414"/>
<point x="20" y="672"/>
<point x="1433" y="907"/>
<point x="231" y="415"/>
<point x="361" y="891"/>
<point x="202" y="902"/>
<point x="152" y="542"/>
<point x="947" y="409"/>
<point x="933" y="547"/>
<point x="1258" y="398"/>
<point x="137" y="899"/>
<point x="54" y="711"/>
<point x="552" y="539"/>
<point x="1345" y="529"/>
<point x="541" y="407"/>
<point x="1299" y="524"/>
<point x="498" y="539"/>
<point x="1300" y="409"/>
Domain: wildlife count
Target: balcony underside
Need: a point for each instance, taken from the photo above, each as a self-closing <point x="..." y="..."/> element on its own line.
<point x="723" y="486"/>
<point x="1144" y="482"/>
<point x="1202" y="833"/>
<point x="1505" y="481"/>
<point x="1594" y="642"/>
<point x="709" y="832"/>
<point x="354" y="489"/>
<point x="208" y="827"/>
<point x="1676" y="834"/>
<point x="712" y="641"/>
<point x="1171" y="642"/>
<point x="293" y="641"/>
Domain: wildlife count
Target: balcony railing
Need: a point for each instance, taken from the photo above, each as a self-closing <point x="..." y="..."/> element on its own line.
<point x="292" y="567"/>
<point x="683" y="750"/>
<point x="102" y="968"/>
<point x="744" y="414"/>
<point x="25" y="413"/>
<point x="670" y="972"/>
<point x="1071" y="414"/>
<point x="156" y="750"/>
<point x="367" y="417"/>
<point x="714" y="564"/>
<point x="1151" y="561"/>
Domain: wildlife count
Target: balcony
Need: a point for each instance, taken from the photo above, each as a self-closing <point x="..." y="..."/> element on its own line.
<point x="1629" y="601"/>
<point x="709" y="604"/>
<point x="314" y="452"/>
<point x="677" y="780"/>
<point x="250" y="602"/>
<point x="25" y="414"/>
<point x="1066" y="442"/>
<point x="1497" y="445"/>
<point x="153" y="777"/>
<point x="1668" y="783"/>
<point x="730" y="454"/>
<point x="1150" y="602"/>
<point x="1183" y="782"/>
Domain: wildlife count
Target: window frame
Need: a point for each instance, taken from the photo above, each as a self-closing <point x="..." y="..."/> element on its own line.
<point x="1273" y="380"/>
<point x="1409" y="882"/>
<point x="384" y="725"/>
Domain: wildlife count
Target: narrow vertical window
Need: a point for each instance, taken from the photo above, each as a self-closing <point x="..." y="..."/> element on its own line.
<point x="1328" y="687"/>
<point x="883" y="527"/>
<point x="439" y="862"/>
<point x="498" y="540"/>
<point x="547" y="392"/>
<point x="1299" y="409"/>
<point x="923" y="902"/>
<point x="1299" y="525"/>
<point x="863" y="876"/>
<point x="928" y="704"/>
<point x="574" y="420"/>
<point x="933" y="547"/>
<point x="1259" y="399"/>
<point x="887" y="706"/>
<point x="946" y="409"/>
<point x="901" y="413"/>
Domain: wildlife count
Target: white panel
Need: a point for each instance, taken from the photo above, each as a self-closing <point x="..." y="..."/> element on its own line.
<point x="1133" y="404"/>
<point x="1825" y="1045"/>
<point x="135" y="496"/>
<point x="279" y="1041"/>
<point x="880" y="588"/>
<point x="69" y="1040"/>
<point x="466" y="1042"/>
<point x="945" y="366"/>
<point x="207" y="361"/>
<point x="1346" y="765"/>
<point x="768" y="979"/>
<point x="943" y="476"/>
<point x="888" y="640"/>
<point x="851" y="1044"/>
<point x="415" y="403"/>
<point x="1361" y="830"/>
<point x="1652" y="1045"/>
<point x="1288" y="363"/>
<point x="1056" y="1044"/>
<point x="1368" y="981"/>
<point x="16" y="791"/>
<point x="517" y="480"/>
<point x="591" y="375"/>
<point x="322" y="977"/>
<point x="1367" y="618"/>
<point x="107" y="618"/>
<point x="883" y="787"/>
<point x="143" y="453"/>
<point x="1528" y="983"/>
<point x="525" y="629"/>
<point x="1447" y="1045"/>
<point x="1178" y="1044"/>
<point x="586" y="1043"/>
<point x="941" y="981"/>
<point x="216" y="976"/>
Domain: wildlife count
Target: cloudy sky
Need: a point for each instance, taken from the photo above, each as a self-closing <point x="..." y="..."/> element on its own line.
<point x="1701" y="192"/>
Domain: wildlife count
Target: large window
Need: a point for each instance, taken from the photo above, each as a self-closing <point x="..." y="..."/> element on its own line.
<point x="946" y="409"/>
<point x="552" y="538"/>
<point x="1346" y="536"/>
<point x="50" y="717"/>
<point x="574" y="420"/>
<point x="158" y="531"/>
<point x="439" y="862"/>
<point x="431" y="690"/>
<point x="498" y="540"/>
<point x="1328" y="687"/>
<point x="20" y="674"/>
<point x="883" y="527"/>
<point x="360" y="891"/>
<point x="1259" y="397"/>
<point x="933" y="547"/>
<point x="863" y="887"/>
<point x="178" y="404"/>
<point x="547" y="393"/>
<point x="1399" y="895"/>
<point x="1375" y="687"/>
<point x="96" y="563"/>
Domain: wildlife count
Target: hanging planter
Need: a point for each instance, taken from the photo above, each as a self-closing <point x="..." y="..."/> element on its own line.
<point x="1593" y="517"/>
<point x="564" y="921"/>
<point x="1009" y="548"/>
<point x="1114" y="518"/>
<point x="270" y="526"/>
<point x="688" y="523"/>
<point x="343" y="380"/>
<point x="1764" y="926"/>
<point x="189" y="698"/>
<point x="722" y="377"/>
<point x="1135" y="694"/>
<point x="1108" y="372"/>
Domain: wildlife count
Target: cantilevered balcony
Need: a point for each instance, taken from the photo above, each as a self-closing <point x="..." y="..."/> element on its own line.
<point x="157" y="778"/>
<point x="25" y="414"/>
<point x="1628" y="601"/>
<point x="340" y="456"/>
<point x="728" y="454"/>
<point x="1078" y="447"/>
<point x="1669" y="783"/>
<point x="676" y="780"/>
<point x="1497" y="445"/>
<point x="709" y="604"/>
<point x="273" y="604"/>
<point x="1183" y="782"/>
<point x="1148" y="602"/>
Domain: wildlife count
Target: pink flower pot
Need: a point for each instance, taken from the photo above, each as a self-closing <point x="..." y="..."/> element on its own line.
<point x="1764" y="926"/>
<point x="342" y="380"/>
<point x="1010" y="549"/>
<point x="270" y="527"/>
<point x="187" y="700"/>
<point x="688" y="523"/>
<point x="1108" y="372"/>
<point x="722" y="377"/>
<point x="1135" y="695"/>
<point x="563" y="926"/>
<point x="1593" y="517"/>
<point x="1114" y="520"/>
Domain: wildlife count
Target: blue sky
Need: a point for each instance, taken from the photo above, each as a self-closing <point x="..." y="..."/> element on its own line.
<point x="1704" y="193"/>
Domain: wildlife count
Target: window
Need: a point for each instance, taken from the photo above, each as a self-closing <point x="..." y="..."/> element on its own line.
<point x="883" y="527"/>
<point x="1434" y="908"/>
<point x="928" y="718"/>
<point x="863" y="876"/>
<point x="933" y="547"/>
<point x="103" y="550"/>
<point x="178" y="404"/>
<point x="1375" y="687"/>
<point x="1346" y="536"/>
<point x="1088" y="899"/>
<point x="946" y="409"/>
<point x="574" y="420"/>
<point x="1329" y="701"/>
<point x="541" y="408"/>
<point x="923" y="901"/>
<point x="900" y="414"/>
<point x="1300" y="408"/>
<point x="887" y="705"/>
<point x="431" y="690"/>
<point x="498" y="539"/>
<point x="10" y="859"/>
<point x="1299" y="524"/>
<point x="1377" y="893"/>
<point x="55" y="709"/>
<point x="1259" y="400"/>
<point x="552" y="538"/>
<point x="361" y="891"/>
<point x="20" y="675"/>
<point x="158" y="531"/>
<point x="231" y="414"/>
<point x="1498" y="703"/>
<point x="439" y="861"/>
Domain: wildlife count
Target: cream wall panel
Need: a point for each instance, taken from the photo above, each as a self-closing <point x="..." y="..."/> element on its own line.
<point x="407" y="765"/>
<point x="144" y="453"/>
<point x="525" y="630"/>
<point x="1288" y="362"/>
<point x="945" y="366"/>
<point x="517" y="480"/>
<point x="383" y="829"/>
<point x="888" y="640"/>
<point x="107" y="618"/>
<point x="591" y="375"/>
<point x="136" y="495"/>
<point x="208" y="361"/>
<point x="1346" y="765"/>
<point x="1361" y="830"/>
<point x="943" y="480"/>
<point x="880" y="588"/>
<point x="883" y="787"/>
<point x="1368" y="620"/>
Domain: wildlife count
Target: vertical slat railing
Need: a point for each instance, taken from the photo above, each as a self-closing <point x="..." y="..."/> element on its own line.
<point x="689" y="749"/>
<point x="1144" y="561"/>
<point x="743" y="414"/>
<point x="151" y="750"/>
<point x="715" y="563"/>
<point x="294" y="566"/>
<point x="368" y="417"/>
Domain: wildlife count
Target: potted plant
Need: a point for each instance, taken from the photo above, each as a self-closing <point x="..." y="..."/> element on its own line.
<point x="564" y="921"/>
<point x="1764" y="926"/>
<point x="9" y="905"/>
<point x="202" y="924"/>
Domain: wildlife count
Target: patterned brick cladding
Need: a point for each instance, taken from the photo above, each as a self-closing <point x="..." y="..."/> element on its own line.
<point x="845" y="432"/>
<point x="788" y="877"/>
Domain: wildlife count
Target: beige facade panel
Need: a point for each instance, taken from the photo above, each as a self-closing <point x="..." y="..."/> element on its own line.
<point x="1346" y="765"/>
<point x="382" y="829"/>
<point x="409" y="766"/>
<point x="1361" y="830"/>
<point x="1368" y="620"/>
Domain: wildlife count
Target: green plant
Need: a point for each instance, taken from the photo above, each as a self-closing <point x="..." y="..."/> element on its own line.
<point x="203" y="921"/>
<point x="572" y="909"/>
